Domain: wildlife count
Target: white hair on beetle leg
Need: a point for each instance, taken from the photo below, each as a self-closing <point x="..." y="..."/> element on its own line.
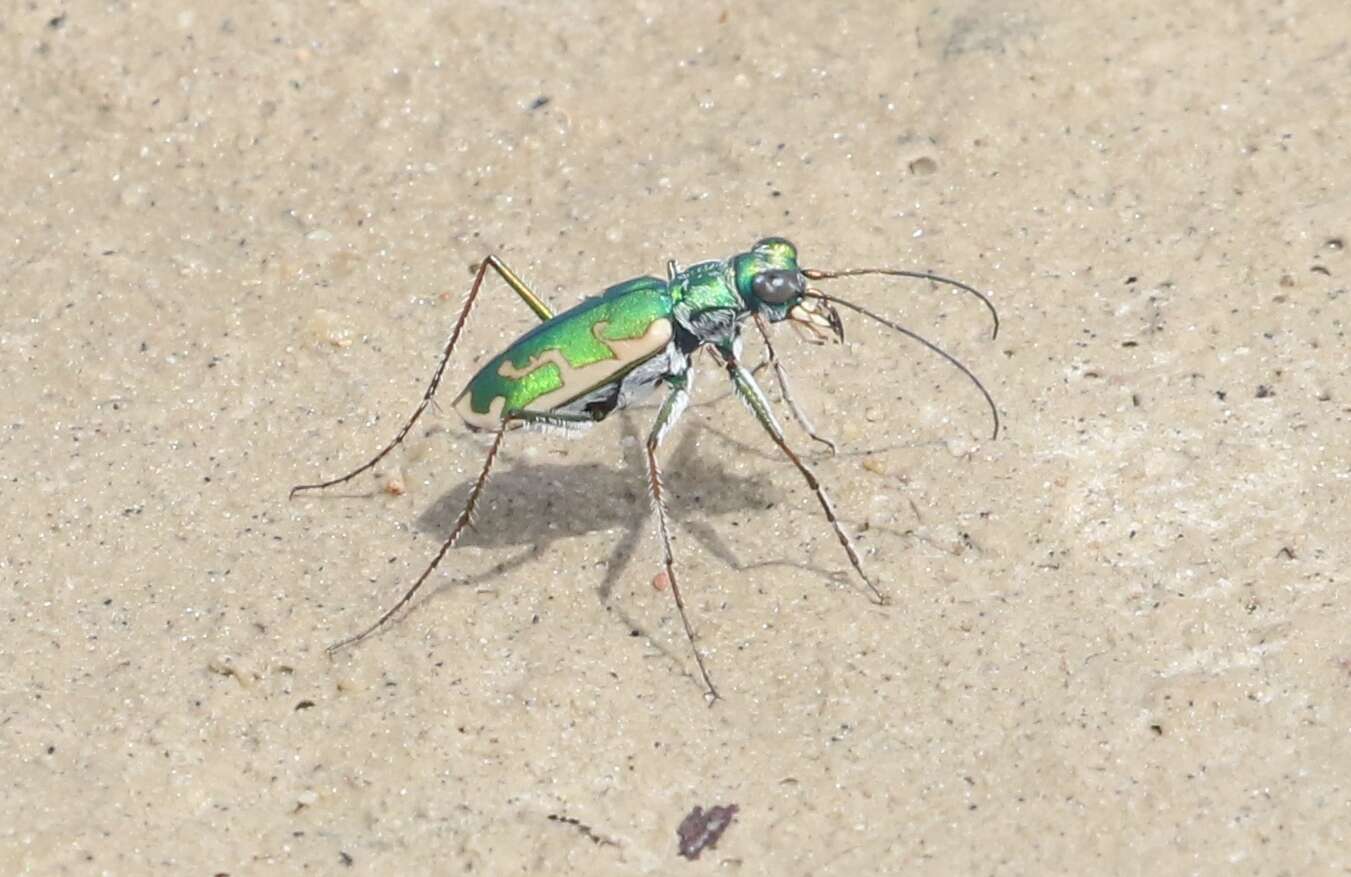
<point x="682" y="400"/>
<point x="556" y="426"/>
<point x="750" y="394"/>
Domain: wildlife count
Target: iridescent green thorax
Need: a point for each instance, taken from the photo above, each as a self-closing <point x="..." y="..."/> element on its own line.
<point x="711" y="286"/>
<point x="592" y="342"/>
<point x="706" y="286"/>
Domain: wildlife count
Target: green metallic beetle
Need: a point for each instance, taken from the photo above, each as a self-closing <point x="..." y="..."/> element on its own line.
<point x="575" y="368"/>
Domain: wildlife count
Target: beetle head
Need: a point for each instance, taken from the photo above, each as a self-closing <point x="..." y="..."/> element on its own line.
<point x="771" y="283"/>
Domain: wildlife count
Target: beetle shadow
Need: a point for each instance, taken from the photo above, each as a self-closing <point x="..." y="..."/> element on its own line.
<point x="535" y="505"/>
<point x="540" y="503"/>
<point x="811" y="452"/>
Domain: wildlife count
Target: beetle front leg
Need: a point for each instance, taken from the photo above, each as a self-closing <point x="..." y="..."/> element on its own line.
<point x="670" y="412"/>
<point x="788" y="399"/>
<point x="755" y="400"/>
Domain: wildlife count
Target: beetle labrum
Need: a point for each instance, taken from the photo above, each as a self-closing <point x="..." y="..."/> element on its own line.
<point x="575" y="368"/>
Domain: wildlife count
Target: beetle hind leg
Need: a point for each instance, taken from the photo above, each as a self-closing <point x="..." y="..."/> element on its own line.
<point x="519" y="287"/>
<point x="461" y="523"/>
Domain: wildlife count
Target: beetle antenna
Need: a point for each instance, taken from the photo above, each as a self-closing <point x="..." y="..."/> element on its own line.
<point x="994" y="410"/>
<point x="811" y="274"/>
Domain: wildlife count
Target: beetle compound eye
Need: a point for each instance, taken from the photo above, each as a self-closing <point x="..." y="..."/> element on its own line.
<point x="778" y="286"/>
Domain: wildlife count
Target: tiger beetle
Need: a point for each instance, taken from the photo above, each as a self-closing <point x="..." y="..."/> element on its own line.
<point x="576" y="368"/>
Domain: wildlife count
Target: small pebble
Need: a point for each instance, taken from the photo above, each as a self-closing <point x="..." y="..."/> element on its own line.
<point x="961" y="447"/>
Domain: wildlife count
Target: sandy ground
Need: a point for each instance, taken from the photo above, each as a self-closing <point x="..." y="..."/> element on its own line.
<point x="234" y="241"/>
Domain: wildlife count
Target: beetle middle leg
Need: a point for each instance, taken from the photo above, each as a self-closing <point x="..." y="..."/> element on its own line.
<point x="755" y="400"/>
<point x="519" y="287"/>
<point x="670" y="412"/>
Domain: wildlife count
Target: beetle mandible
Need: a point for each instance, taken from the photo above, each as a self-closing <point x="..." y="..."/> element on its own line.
<point x="576" y="368"/>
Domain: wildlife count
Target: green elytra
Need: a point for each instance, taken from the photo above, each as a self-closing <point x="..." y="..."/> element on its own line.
<point x="575" y="368"/>
<point x="609" y="329"/>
